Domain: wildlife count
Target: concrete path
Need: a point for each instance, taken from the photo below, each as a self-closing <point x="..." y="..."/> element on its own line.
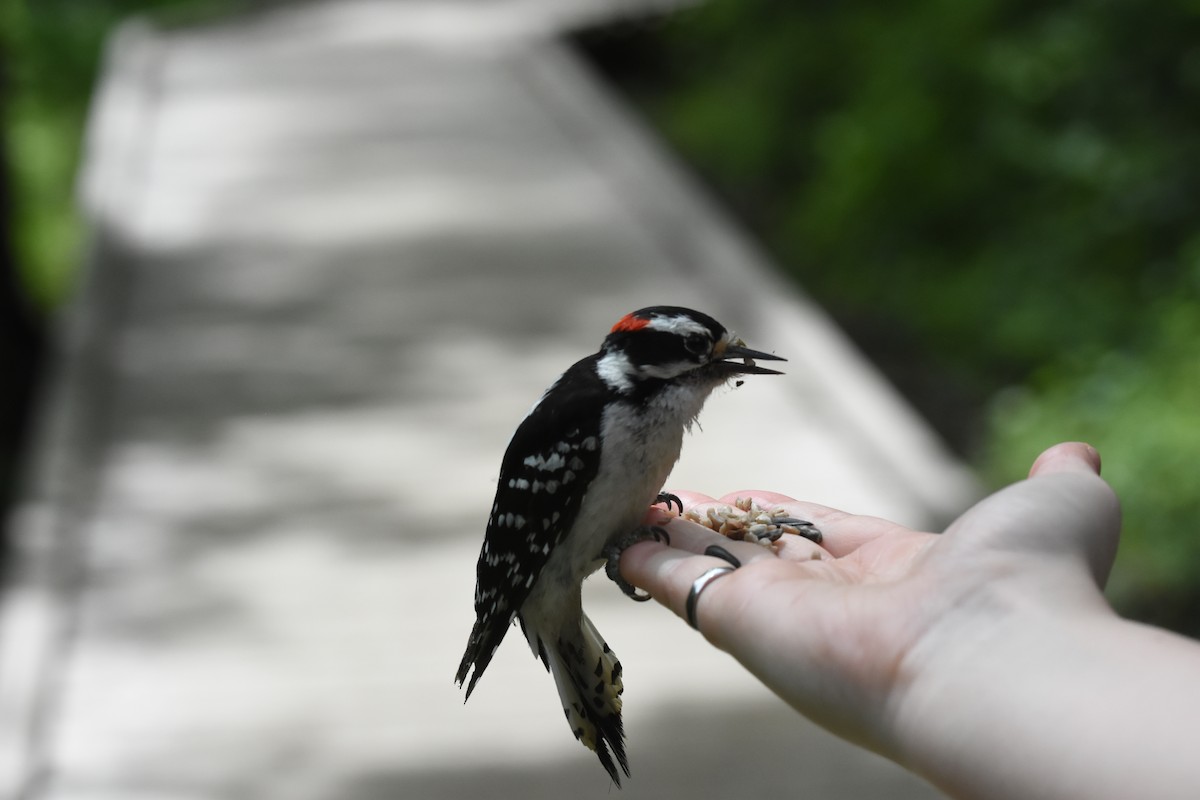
<point x="340" y="249"/>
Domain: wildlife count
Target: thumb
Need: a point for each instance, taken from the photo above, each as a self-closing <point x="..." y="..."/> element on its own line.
<point x="1073" y="469"/>
<point x="1067" y="457"/>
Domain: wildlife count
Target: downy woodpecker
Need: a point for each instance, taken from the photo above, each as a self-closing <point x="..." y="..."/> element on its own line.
<point x="579" y="474"/>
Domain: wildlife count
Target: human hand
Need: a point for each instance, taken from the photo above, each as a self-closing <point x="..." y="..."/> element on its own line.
<point x="859" y="632"/>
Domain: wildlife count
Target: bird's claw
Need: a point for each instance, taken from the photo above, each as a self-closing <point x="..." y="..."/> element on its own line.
<point x="802" y="527"/>
<point x="612" y="557"/>
<point x="716" y="551"/>
<point x="668" y="499"/>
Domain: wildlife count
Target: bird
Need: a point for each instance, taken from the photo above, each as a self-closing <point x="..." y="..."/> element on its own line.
<point x="578" y="476"/>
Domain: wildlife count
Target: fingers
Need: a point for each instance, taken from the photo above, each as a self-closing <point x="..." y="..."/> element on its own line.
<point x="1064" y="514"/>
<point x="1091" y="511"/>
<point x="1067" y="457"/>
<point x="695" y="539"/>
<point x="670" y="573"/>
<point x="842" y="533"/>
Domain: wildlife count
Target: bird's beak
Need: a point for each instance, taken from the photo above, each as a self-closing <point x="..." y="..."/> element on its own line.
<point x="747" y="367"/>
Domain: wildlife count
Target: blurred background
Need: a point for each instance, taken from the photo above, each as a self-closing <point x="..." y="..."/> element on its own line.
<point x="996" y="202"/>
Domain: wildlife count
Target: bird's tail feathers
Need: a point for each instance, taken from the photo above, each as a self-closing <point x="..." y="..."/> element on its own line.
<point x="588" y="676"/>
<point x="485" y="638"/>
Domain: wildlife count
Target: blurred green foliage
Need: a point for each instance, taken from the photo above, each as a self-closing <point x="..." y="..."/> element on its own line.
<point x="999" y="200"/>
<point x="52" y="52"/>
<point x="1138" y="407"/>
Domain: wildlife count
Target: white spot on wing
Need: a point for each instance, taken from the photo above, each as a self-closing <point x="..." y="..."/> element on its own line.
<point x="543" y="464"/>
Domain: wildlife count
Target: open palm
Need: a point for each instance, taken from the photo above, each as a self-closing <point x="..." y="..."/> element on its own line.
<point x="851" y="630"/>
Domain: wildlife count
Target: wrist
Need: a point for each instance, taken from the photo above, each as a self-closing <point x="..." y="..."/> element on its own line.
<point x="1048" y="703"/>
<point x="953" y="718"/>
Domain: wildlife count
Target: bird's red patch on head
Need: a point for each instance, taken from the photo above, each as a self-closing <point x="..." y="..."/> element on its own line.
<point x="629" y="322"/>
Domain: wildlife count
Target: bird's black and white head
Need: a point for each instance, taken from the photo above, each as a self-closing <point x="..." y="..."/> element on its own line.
<point x="669" y="344"/>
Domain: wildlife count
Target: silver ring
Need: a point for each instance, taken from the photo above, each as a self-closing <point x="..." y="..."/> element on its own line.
<point x="698" y="587"/>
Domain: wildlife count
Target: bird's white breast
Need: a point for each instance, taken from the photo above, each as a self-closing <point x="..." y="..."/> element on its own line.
<point x="639" y="446"/>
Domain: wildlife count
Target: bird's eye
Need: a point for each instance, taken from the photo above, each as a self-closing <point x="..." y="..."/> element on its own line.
<point x="696" y="344"/>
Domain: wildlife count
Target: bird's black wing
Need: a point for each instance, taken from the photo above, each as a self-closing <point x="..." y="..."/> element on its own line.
<point x="549" y="464"/>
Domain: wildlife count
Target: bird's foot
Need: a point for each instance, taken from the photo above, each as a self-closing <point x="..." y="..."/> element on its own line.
<point x="612" y="556"/>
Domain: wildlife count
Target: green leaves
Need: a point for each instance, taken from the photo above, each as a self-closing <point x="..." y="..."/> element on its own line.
<point x="998" y="200"/>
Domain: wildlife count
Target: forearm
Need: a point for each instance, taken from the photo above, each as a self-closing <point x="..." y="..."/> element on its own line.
<point x="1081" y="706"/>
